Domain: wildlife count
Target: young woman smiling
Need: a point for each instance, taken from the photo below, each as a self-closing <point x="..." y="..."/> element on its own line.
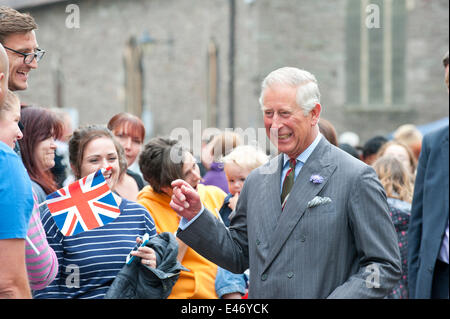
<point x="99" y="254"/>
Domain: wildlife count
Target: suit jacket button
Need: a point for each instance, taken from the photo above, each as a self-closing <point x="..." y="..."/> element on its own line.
<point x="258" y="242"/>
<point x="290" y="274"/>
<point x="302" y="238"/>
<point x="263" y="277"/>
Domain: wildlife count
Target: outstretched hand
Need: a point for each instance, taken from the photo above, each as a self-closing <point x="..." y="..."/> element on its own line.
<point x="185" y="199"/>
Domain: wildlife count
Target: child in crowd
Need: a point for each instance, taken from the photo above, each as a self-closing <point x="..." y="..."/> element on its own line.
<point x="220" y="146"/>
<point x="238" y="165"/>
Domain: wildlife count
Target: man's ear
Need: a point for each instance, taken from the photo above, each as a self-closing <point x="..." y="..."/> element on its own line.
<point x="315" y="114"/>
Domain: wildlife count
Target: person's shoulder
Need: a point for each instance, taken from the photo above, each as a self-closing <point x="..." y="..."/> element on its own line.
<point x="129" y="208"/>
<point x="6" y="151"/>
<point x="10" y="161"/>
<point x="11" y="166"/>
<point x="211" y="190"/>
<point x="137" y="178"/>
<point x="436" y="135"/>
<point x="39" y="191"/>
<point x="349" y="167"/>
<point x="127" y="205"/>
<point x="341" y="157"/>
<point x="399" y="204"/>
<point x="270" y="167"/>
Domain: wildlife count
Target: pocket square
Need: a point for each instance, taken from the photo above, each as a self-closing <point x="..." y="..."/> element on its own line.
<point x="316" y="201"/>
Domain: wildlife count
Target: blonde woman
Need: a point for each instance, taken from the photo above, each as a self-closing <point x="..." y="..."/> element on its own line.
<point x="397" y="183"/>
<point x="402" y="152"/>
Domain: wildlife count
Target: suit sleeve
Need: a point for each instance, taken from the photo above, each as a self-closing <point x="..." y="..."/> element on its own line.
<point x="415" y="222"/>
<point x="375" y="239"/>
<point x="226" y="247"/>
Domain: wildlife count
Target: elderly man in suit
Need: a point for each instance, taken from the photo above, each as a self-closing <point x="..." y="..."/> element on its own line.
<point x="428" y="230"/>
<point x="312" y="223"/>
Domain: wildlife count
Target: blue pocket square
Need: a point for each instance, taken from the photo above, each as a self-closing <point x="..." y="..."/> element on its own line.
<point x="316" y="201"/>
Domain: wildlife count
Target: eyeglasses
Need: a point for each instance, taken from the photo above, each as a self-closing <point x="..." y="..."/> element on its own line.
<point x="29" y="57"/>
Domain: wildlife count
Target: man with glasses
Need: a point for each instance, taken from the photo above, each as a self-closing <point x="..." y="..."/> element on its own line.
<point x="19" y="40"/>
<point x="21" y="49"/>
<point x="18" y="37"/>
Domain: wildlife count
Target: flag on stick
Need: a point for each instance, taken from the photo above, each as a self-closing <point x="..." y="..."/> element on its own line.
<point x="85" y="204"/>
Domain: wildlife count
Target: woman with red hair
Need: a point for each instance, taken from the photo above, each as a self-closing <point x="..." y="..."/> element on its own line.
<point x="130" y="132"/>
<point x="37" y="147"/>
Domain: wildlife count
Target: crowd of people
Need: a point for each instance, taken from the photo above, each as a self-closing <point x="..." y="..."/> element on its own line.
<point x="331" y="220"/>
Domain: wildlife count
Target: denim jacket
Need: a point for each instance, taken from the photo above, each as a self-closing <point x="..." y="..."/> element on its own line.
<point x="227" y="282"/>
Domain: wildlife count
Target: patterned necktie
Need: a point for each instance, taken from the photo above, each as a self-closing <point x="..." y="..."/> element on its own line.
<point x="288" y="182"/>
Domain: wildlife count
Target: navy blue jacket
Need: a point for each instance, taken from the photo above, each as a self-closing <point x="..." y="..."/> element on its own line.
<point x="137" y="281"/>
<point x="429" y="213"/>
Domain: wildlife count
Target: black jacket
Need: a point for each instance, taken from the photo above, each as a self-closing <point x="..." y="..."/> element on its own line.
<point x="137" y="281"/>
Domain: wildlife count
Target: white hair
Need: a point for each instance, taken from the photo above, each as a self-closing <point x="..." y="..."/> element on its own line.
<point x="247" y="157"/>
<point x="308" y="94"/>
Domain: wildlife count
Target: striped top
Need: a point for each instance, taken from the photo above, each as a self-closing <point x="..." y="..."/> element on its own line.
<point x="89" y="261"/>
<point x="42" y="267"/>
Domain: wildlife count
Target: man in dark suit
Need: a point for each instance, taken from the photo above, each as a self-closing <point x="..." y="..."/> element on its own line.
<point x="312" y="223"/>
<point x="428" y="259"/>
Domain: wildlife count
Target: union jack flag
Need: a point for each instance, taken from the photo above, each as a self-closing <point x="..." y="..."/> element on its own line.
<point x="83" y="205"/>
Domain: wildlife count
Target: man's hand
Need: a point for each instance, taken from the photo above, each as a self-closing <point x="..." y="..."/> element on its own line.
<point x="185" y="199"/>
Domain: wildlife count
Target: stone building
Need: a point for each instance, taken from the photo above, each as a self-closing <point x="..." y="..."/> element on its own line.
<point x="378" y="62"/>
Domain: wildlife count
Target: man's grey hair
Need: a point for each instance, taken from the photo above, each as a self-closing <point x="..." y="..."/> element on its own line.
<point x="308" y="94"/>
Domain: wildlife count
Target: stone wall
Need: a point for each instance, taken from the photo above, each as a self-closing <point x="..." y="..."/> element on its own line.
<point x="309" y="34"/>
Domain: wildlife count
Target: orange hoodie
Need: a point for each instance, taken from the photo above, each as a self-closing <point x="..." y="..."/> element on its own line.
<point x="199" y="282"/>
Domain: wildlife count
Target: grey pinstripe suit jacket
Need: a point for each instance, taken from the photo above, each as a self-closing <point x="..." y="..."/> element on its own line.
<point x="346" y="248"/>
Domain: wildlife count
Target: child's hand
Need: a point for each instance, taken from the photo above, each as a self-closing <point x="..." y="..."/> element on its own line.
<point x="233" y="201"/>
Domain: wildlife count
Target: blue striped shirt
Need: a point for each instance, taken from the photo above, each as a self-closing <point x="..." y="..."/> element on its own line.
<point x="90" y="260"/>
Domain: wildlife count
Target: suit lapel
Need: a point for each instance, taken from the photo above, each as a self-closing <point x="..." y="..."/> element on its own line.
<point x="319" y="163"/>
<point x="271" y="200"/>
